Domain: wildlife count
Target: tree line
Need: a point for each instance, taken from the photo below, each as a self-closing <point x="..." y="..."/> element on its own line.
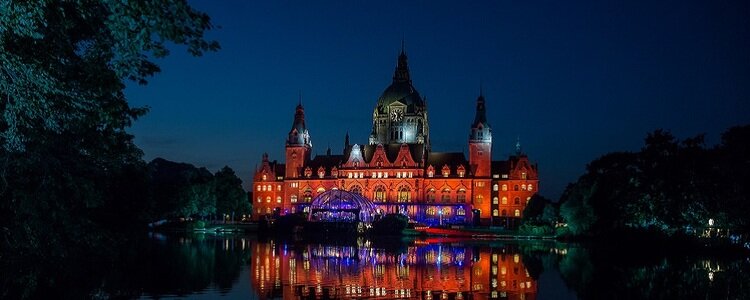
<point x="670" y="187"/>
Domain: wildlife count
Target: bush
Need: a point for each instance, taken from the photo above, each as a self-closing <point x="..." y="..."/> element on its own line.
<point x="390" y="224"/>
<point x="536" y="229"/>
<point x="287" y="223"/>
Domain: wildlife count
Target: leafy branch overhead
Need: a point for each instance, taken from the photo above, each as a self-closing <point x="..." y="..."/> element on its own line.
<point x="63" y="63"/>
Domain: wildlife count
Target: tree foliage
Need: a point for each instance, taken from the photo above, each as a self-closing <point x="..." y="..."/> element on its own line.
<point x="67" y="162"/>
<point x="669" y="186"/>
<point x="231" y="199"/>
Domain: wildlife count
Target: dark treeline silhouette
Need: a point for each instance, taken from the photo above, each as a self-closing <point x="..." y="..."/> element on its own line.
<point x="671" y="187"/>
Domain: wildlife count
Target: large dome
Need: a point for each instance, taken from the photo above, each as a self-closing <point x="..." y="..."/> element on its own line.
<point x="403" y="92"/>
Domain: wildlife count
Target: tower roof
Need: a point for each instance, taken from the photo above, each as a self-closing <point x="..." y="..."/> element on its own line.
<point x="401" y="89"/>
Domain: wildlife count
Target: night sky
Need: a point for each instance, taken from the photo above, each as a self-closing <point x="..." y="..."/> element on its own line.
<point x="573" y="81"/>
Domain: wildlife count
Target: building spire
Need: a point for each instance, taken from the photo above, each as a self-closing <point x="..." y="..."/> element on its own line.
<point x="299" y="103"/>
<point x="402" y="67"/>
<point x="518" y="146"/>
<point x="403" y="52"/>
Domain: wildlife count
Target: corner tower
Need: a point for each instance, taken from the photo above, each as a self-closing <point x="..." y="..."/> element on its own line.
<point x="298" y="145"/>
<point x="480" y="141"/>
<point x="400" y="115"/>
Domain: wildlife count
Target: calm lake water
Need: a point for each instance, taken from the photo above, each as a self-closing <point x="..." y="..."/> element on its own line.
<point x="245" y="267"/>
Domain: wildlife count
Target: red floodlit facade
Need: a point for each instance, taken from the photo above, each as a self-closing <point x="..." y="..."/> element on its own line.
<point x="398" y="170"/>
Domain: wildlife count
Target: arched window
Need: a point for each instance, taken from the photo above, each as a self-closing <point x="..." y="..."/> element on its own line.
<point x="268" y="210"/>
<point x="259" y="187"/>
<point x="404" y="194"/>
<point x="293" y="199"/>
<point x="517" y="201"/>
<point x="356" y="190"/>
<point x="461" y="211"/>
<point x="523" y="187"/>
<point x="494" y="187"/>
<point x="321" y="190"/>
<point x="505" y="200"/>
<point x="268" y="199"/>
<point x="517" y="213"/>
<point x="446" y="171"/>
<point x="431" y="211"/>
<point x="530" y="188"/>
<point x="278" y="199"/>
<point x="479" y="199"/>
<point x="461" y="196"/>
<point x="431" y="196"/>
<point x="446" y="211"/>
<point x="307" y="195"/>
<point x="494" y="212"/>
<point x="504" y="213"/>
<point x="505" y="187"/>
<point x="515" y="187"/>
<point x="260" y="199"/>
<point x="379" y="194"/>
<point x="446" y="195"/>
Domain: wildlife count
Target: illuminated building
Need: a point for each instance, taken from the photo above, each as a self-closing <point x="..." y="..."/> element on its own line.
<point x="436" y="271"/>
<point x="397" y="169"/>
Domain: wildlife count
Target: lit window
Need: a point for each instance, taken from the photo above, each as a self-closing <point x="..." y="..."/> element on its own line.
<point x="264" y="188"/>
<point x="431" y="195"/>
<point x="446" y="211"/>
<point x="321" y="190"/>
<point x="528" y="199"/>
<point x="494" y="212"/>
<point x="505" y="176"/>
<point x="349" y="175"/>
<point x="258" y="188"/>
<point x="505" y="200"/>
<point x="505" y="187"/>
<point x="431" y="211"/>
<point x="460" y="211"/>
<point x="404" y="195"/>
<point x="530" y="188"/>
<point x="260" y="199"/>
<point x="268" y="199"/>
<point x="479" y="199"/>
<point x="494" y="187"/>
<point x="264" y="177"/>
<point x="517" y="213"/>
<point x="379" y="194"/>
<point x="523" y="175"/>
<point x="294" y="199"/>
<point x="523" y="187"/>
<point x="278" y="188"/>
<point x="278" y="199"/>
<point x="446" y="196"/>
<point x="494" y="200"/>
<point x="461" y="196"/>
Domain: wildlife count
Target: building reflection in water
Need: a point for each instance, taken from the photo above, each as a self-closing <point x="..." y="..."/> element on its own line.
<point x="423" y="271"/>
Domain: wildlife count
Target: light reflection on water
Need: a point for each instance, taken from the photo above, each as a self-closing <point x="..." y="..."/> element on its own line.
<point x="207" y="267"/>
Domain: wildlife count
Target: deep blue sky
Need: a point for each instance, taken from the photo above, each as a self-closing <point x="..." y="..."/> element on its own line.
<point x="572" y="80"/>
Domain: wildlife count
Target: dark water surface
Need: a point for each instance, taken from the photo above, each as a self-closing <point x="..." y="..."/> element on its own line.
<point x="202" y="266"/>
<point x="245" y="267"/>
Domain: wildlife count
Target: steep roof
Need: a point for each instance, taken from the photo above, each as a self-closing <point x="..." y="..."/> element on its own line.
<point x="439" y="159"/>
